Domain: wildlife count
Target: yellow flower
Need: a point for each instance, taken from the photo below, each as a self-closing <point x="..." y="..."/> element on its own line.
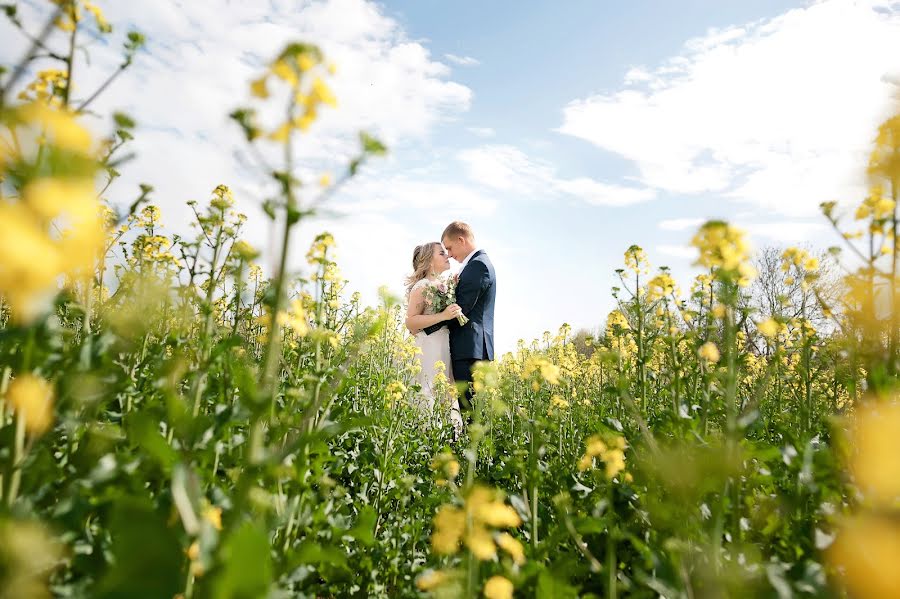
<point x="449" y="526"/>
<point x="512" y="546"/>
<point x="305" y="62"/>
<point x="718" y="311"/>
<point x="305" y="121"/>
<point x="767" y="328"/>
<point x="258" y="88"/>
<point x="721" y="246"/>
<point x="322" y="93"/>
<point x="102" y="24"/>
<point x="482" y="504"/>
<point x="480" y="543"/>
<point x="636" y="259"/>
<point x="482" y="509"/>
<point x="866" y="553"/>
<point x="59" y="127"/>
<point x="213" y="515"/>
<point x="446" y="463"/>
<point x="558" y="402"/>
<point x="281" y="134"/>
<point x="193" y="551"/>
<point x="244" y="251"/>
<point x="709" y="351"/>
<point x="876" y="443"/>
<point x="285" y="72"/>
<point x="295" y="318"/>
<point x="325" y="180"/>
<point x="32" y="398"/>
<point x="498" y="587"/>
<point x="614" y="461"/>
<point x="431" y="580"/>
<point x="613" y="457"/>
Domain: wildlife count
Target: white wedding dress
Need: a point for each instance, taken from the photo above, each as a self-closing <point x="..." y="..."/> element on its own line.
<point x="435" y="348"/>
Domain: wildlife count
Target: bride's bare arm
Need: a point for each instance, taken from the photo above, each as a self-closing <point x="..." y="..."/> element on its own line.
<point x="416" y="319"/>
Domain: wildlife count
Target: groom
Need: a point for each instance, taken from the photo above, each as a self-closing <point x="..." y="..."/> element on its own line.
<point x="475" y="292"/>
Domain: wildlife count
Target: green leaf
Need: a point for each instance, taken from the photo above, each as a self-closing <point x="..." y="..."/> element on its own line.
<point x="123" y="121"/>
<point x="372" y="145"/>
<point x="549" y="587"/>
<point x="246" y="571"/>
<point x="147" y="559"/>
<point x="364" y="529"/>
<point x="145" y="432"/>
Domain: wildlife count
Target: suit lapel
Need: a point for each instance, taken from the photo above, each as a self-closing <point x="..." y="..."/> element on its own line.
<point x="475" y="255"/>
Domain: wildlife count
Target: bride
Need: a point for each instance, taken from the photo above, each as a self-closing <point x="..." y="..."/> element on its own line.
<point x="429" y="261"/>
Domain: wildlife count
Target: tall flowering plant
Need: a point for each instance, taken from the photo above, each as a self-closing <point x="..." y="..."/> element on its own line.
<point x="439" y="294"/>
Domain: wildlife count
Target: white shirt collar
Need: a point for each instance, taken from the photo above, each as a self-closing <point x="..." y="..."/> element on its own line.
<point x="467" y="258"/>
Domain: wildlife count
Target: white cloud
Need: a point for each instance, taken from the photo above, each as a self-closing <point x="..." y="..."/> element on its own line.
<point x="508" y="169"/>
<point x="465" y="61"/>
<point x="201" y="56"/>
<point x="787" y="232"/>
<point x="680" y="224"/>
<point x="436" y="201"/>
<point x="677" y="251"/>
<point x="778" y="113"/>
<point x="481" y="131"/>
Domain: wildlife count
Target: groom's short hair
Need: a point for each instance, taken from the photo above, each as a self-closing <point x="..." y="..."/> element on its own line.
<point x="458" y="229"/>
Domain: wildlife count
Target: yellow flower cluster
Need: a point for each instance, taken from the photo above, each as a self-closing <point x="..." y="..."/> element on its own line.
<point x="724" y="248"/>
<point x="709" y="352"/>
<point x="547" y="371"/>
<point x="446" y="466"/>
<point x="47" y="87"/>
<point x="318" y="251"/>
<point x="296" y="66"/>
<point x="472" y="526"/>
<point x="769" y="328"/>
<point x="71" y="15"/>
<point x="636" y="260"/>
<point x="612" y="455"/>
<point x="222" y="198"/>
<point x="55" y="227"/>
<point x="394" y="393"/>
<point x="662" y="285"/>
<point x="294" y="318"/>
<point x="798" y="258"/>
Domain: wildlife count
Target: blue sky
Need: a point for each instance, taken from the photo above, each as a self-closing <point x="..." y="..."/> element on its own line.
<point x="563" y="132"/>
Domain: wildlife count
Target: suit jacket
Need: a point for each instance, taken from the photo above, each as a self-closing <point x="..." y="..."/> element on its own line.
<point x="475" y="294"/>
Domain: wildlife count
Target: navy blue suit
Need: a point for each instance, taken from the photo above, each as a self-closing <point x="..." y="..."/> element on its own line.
<point x="473" y="341"/>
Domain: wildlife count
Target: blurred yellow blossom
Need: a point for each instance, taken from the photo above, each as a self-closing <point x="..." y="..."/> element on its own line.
<point x="431" y="580"/>
<point x="866" y="552"/>
<point x="470" y="523"/>
<point x="512" y="546"/>
<point x="875" y="444"/>
<point x="767" y="328"/>
<point x="709" y="351"/>
<point x="32" y="398"/>
<point x="498" y="587"/>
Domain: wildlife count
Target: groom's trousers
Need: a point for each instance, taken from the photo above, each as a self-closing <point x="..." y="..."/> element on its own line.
<point x="462" y="373"/>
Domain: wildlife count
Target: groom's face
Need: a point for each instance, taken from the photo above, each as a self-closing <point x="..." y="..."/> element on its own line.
<point x="454" y="247"/>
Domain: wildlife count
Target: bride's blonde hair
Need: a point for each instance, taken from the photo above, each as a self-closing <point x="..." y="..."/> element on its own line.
<point x="421" y="263"/>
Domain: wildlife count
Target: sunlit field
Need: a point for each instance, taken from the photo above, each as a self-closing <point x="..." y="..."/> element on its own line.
<point x="179" y="420"/>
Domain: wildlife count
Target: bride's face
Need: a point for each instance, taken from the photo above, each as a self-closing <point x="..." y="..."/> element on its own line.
<point x="440" y="261"/>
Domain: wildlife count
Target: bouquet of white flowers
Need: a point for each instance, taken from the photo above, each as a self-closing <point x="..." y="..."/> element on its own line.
<point x="439" y="294"/>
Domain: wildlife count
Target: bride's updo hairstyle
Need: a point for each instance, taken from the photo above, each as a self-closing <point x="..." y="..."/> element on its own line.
<point x="421" y="263"/>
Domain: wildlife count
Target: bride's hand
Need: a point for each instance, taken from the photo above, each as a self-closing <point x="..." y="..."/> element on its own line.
<point x="451" y="311"/>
